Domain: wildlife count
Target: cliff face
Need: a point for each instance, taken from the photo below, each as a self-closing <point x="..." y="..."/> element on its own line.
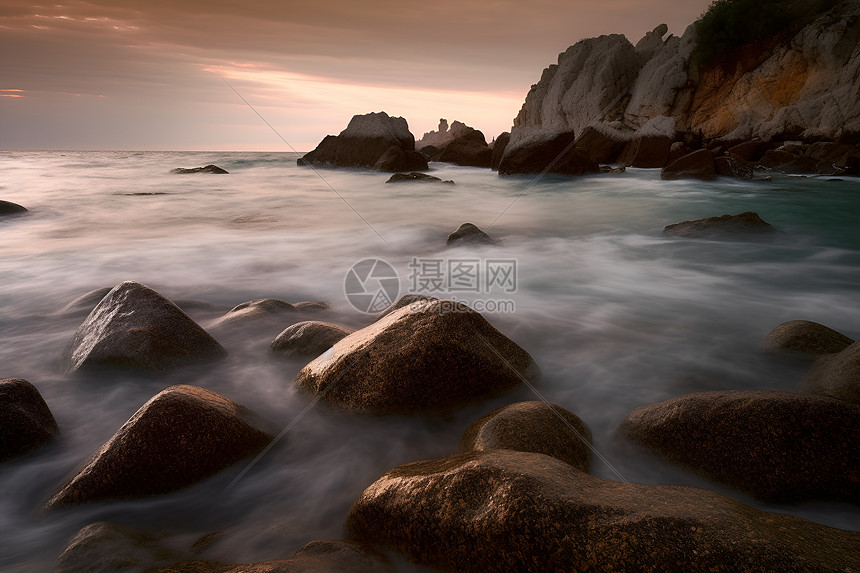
<point x="806" y="86"/>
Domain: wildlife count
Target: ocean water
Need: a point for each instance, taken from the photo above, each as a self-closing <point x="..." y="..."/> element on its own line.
<point x="615" y="314"/>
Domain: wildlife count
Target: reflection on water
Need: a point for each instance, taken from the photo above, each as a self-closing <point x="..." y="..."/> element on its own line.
<point x="615" y="315"/>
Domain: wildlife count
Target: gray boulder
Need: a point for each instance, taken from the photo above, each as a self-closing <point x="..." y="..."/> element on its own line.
<point x="415" y="177"/>
<point x="181" y="436"/>
<point x="26" y="422"/>
<point x="742" y="226"/>
<point x="134" y="326"/>
<point x="468" y="234"/>
<point x="774" y="445"/>
<point x="308" y="338"/>
<point x="430" y="355"/>
<point x="8" y="208"/>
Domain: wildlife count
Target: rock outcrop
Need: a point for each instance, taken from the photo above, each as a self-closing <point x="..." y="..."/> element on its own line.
<point x="801" y="85"/>
<point x="181" y="436"/>
<point x="8" y="208"/>
<point x="837" y="375"/>
<point x="134" y="326"/>
<point x="460" y="145"/>
<point x="774" y="445"/>
<point x="468" y="234"/>
<point x="214" y="169"/>
<point x="532" y="427"/>
<point x="364" y="142"/>
<point x="499" y="146"/>
<point x="741" y="226"/>
<point x="308" y="338"/>
<point x="503" y="510"/>
<point x="806" y="337"/>
<point x="26" y="422"/>
<point x="429" y="355"/>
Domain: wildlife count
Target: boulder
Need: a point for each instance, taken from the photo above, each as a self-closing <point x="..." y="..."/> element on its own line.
<point x="429" y="151"/>
<point x="806" y="337"/>
<point x="8" y="208"/>
<point x="315" y="557"/>
<point x="499" y="146"/>
<point x="104" y="547"/>
<point x="776" y="446"/>
<point x="731" y="165"/>
<point x="678" y="150"/>
<point x="749" y="150"/>
<point x="696" y="165"/>
<point x="419" y="177"/>
<point x="781" y="160"/>
<point x="207" y="169"/>
<point x="838" y="375"/>
<point x="502" y="511"/>
<point x="26" y="422"/>
<point x="308" y="338"/>
<point x="469" y="234"/>
<point x="134" y="326"/>
<point x="468" y="148"/>
<point x="181" y="436"/>
<point x="364" y="141"/>
<point x="397" y="159"/>
<point x="742" y="226"/>
<point x="263" y="309"/>
<point x="601" y="145"/>
<point x="85" y="303"/>
<point x="430" y="355"/>
<point x="648" y="151"/>
<point x="405" y="300"/>
<point x="554" y="153"/>
<point x="532" y="427"/>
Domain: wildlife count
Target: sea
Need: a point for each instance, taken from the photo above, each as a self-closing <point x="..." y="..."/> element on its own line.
<point x="615" y="313"/>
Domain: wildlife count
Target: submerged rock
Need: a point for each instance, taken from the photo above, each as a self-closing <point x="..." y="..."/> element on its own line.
<point x="309" y="338"/>
<point x="364" y="141"/>
<point x="742" y="226"/>
<point x="419" y="177"/>
<point x="837" y="375"/>
<point x="9" y="208"/>
<point x="265" y="308"/>
<point x="134" y="326"/>
<point x="696" y="165"/>
<point x="469" y="234"/>
<point x="26" y="422"/>
<point x="104" y="547"/>
<point x="502" y="511"/>
<point x="774" y="445"/>
<point x="427" y="356"/>
<point x="207" y="169"/>
<point x="806" y="337"/>
<point x="532" y="427"/>
<point x="181" y="436"/>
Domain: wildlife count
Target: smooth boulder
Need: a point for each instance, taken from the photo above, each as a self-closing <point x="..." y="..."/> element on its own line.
<point x="364" y="141"/>
<point x="26" y="422"/>
<point x="415" y="177"/>
<point x="396" y="159"/>
<point x="207" y="169"/>
<point x="741" y="226"/>
<point x="308" y="338"/>
<point x="265" y="309"/>
<point x="105" y="547"/>
<point x="696" y="165"/>
<point x="551" y="154"/>
<point x="134" y="326"/>
<point x="806" y="337"/>
<point x="536" y="427"/>
<point x="837" y="376"/>
<point x="8" y="208"/>
<point x="405" y="300"/>
<point x="502" y="511"/>
<point x="468" y="234"/>
<point x="431" y="355"/>
<point x="181" y="436"/>
<point x="776" y="446"/>
<point x="468" y="148"/>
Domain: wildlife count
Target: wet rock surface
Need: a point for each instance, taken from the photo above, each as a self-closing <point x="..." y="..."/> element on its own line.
<point x="26" y="422"/>
<point x="308" y="338"/>
<point x="806" y="337"/>
<point x="837" y="375"/>
<point x="742" y="226"/>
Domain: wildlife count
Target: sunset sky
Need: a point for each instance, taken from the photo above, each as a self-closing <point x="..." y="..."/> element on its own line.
<point x="141" y="75"/>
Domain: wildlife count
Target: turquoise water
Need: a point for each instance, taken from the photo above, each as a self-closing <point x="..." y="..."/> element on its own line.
<point x="615" y="314"/>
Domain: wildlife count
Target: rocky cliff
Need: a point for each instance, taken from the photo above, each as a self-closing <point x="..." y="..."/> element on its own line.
<point x="803" y="85"/>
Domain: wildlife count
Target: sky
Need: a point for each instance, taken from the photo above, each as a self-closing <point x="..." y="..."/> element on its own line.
<point x="172" y="74"/>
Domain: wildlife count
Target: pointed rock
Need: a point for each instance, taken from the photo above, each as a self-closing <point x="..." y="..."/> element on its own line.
<point x="469" y="234"/>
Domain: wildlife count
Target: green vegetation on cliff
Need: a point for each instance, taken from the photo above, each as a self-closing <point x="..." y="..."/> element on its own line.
<point x="729" y="24"/>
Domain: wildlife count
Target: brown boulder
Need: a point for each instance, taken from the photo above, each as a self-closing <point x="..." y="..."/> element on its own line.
<point x="427" y="356"/>
<point x="134" y="326"/>
<point x="806" y="337"/>
<point x="396" y="159"/>
<point x="556" y="154"/>
<point x="837" y="375"/>
<point x="26" y="422"/>
<point x="265" y="309"/>
<point x="308" y="338"/>
<point x="749" y="150"/>
<point x="532" y="427"/>
<point x="774" y="445"/>
<point x="696" y="165"/>
<point x="741" y="226"/>
<point x="599" y="146"/>
<point x="647" y="152"/>
<point x="503" y="511"/>
<point x="104" y="547"/>
<point x="181" y="436"/>
<point x="731" y="165"/>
